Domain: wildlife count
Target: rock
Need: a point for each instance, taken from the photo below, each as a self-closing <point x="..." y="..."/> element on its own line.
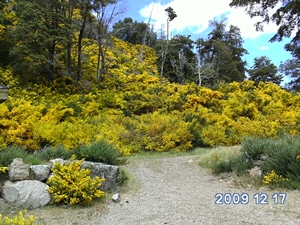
<point x="53" y="161"/>
<point x="18" y="170"/>
<point x="264" y="157"/>
<point x="3" y="206"/>
<point x="40" y="172"/>
<point x="255" y="172"/>
<point x="109" y="172"/>
<point x="116" y="198"/>
<point x="257" y="162"/>
<point x="27" y="194"/>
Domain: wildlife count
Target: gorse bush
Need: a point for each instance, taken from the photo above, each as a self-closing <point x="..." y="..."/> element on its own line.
<point x="70" y="184"/>
<point x="271" y="178"/>
<point x="135" y="113"/>
<point x="19" y="219"/>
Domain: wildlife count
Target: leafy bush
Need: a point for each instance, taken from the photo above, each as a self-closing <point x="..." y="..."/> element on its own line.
<point x="72" y="185"/>
<point x="254" y="147"/>
<point x="271" y="178"/>
<point x="8" y="154"/>
<point x="164" y="132"/>
<point x="101" y="151"/>
<point x="282" y="161"/>
<point x="18" y="219"/>
<point x="122" y="177"/>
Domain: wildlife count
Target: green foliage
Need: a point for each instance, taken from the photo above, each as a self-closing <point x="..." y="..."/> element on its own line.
<point x="71" y="184"/>
<point x="220" y="55"/>
<point x="281" y="164"/>
<point x="122" y="177"/>
<point x="254" y="147"/>
<point x="101" y="151"/>
<point x="220" y="159"/>
<point x="8" y="154"/>
<point x="285" y="17"/>
<point x="19" y="219"/>
<point x="264" y="70"/>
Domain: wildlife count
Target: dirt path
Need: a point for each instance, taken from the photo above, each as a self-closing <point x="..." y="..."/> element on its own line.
<point x="177" y="191"/>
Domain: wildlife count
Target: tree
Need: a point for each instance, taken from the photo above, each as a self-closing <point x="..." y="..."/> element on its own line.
<point x="7" y="19"/>
<point x="220" y="55"/>
<point x="180" y="60"/>
<point x="106" y="13"/>
<point x="286" y="16"/>
<point x="164" y="44"/>
<point x="291" y="69"/>
<point x="134" y="32"/>
<point x="38" y="31"/>
<point x="264" y="70"/>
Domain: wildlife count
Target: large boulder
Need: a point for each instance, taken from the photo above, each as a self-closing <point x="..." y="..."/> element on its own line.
<point x="18" y="170"/>
<point x="27" y="194"/>
<point x="109" y="172"/>
<point x="40" y="172"/>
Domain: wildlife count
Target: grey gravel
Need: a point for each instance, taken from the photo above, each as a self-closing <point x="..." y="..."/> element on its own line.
<point x="177" y="191"/>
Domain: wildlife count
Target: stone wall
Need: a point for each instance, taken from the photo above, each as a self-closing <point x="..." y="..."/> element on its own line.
<point x="27" y="186"/>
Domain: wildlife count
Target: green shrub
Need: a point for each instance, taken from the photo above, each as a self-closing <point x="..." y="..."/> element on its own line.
<point x="8" y="154"/>
<point x="240" y="165"/>
<point x="282" y="159"/>
<point x="101" y="151"/>
<point x="253" y="147"/>
<point x="18" y="219"/>
<point x="122" y="177"/>
<point x="49" y="153"/>
<point x="72" y="185"/>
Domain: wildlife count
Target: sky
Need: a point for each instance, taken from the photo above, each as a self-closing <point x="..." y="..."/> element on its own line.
<point x="192" y="19"/>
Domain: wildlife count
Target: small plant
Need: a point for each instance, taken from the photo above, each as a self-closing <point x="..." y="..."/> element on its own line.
<point x="271" y="178"/>
<point x="72" y="185"/>
<point x="122" y="177"/>
<point x="18" y="219"/>
<point x="3" y="169"/>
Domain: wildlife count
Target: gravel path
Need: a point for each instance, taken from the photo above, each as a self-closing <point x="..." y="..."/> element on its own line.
<point x="176" y="191"/>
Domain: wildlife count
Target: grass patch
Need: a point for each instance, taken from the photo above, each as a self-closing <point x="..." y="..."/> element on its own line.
<point x="219" y="159"/>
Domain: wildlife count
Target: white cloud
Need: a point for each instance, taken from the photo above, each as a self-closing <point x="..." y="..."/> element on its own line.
<point x="263" y="48"/>
<point x="195" y="17"/>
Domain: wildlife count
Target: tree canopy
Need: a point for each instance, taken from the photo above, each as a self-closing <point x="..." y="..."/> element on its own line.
<point x="264" y="70"/>
<point x="286" y="16"/>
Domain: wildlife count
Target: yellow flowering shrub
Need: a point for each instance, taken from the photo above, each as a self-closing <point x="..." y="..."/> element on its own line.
<point x="164" y="132"/>
<point x="70" y="184"/>
<point x="3" y="169"/>
<point x="272" y="178"/>
<point x="18" y="219"/>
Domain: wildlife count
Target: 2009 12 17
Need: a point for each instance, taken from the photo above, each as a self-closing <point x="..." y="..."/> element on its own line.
<point x="244" y="198"/>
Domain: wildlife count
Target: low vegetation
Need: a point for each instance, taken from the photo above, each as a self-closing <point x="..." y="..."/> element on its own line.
<point x="71" y="184"/>
<point x="278" y="158"/>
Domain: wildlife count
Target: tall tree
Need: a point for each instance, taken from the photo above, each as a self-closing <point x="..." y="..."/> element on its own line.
<point x="40" y="28"/>
<point x="7" y="20"/>
<point x="134" y="32"/>
<point x="286" y="16"/>
<point x="164" y="44"/>
<point x="220" y="55"/>
<point x="106" y="13"/>
<point x="180" y="60"/>
<point x="291" y="68"/>
<point x="264" y="70"/>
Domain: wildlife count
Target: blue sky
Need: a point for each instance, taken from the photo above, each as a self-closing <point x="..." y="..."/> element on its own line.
<point x="193" y="19"/>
